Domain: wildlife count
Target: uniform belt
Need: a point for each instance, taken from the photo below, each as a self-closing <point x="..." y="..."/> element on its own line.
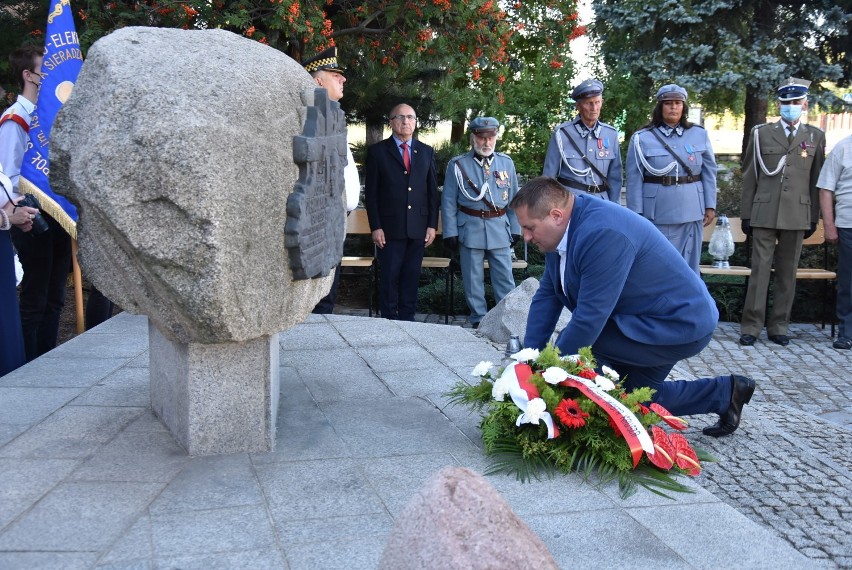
<point x="672" y="180"/>
<point x="483" y="213"/>
<point x="580" y="186"/>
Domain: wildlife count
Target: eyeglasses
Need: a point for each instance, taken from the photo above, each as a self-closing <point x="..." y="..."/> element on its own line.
<point x="40" y="74"/>
<point x="403" y="117"/>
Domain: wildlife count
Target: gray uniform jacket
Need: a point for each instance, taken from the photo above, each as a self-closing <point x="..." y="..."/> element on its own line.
<point x="600" y="145"/>
<point x="788" y="200"/>
<point x="677" y="203"/>
<point x="475" y="232"/>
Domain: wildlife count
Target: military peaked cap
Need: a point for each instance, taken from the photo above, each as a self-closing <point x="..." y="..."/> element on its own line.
<point x="324" y="61"/>
<point x="793" y="88"/>
<point x="484" y="126"/>
<point x="588" y="88"/>
<point x="671" y="92"/>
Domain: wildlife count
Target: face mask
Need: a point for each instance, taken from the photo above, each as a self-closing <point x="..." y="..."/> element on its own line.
<point x="791" y="113"/>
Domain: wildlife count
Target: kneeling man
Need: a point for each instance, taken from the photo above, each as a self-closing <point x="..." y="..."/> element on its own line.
<point x="633" y="299"/>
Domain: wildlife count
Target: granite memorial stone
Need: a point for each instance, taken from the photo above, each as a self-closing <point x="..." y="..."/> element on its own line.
<point x="509" y="316"/>
<point x="180" y="149"/>
<point x="458" y="520"/>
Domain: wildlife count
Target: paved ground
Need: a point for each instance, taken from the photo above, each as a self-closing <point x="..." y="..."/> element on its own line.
<point x="790" y="465"/>
<point x="793" y="471"/>
<point x="794" y="475"/>
<point x="91" y="478"/>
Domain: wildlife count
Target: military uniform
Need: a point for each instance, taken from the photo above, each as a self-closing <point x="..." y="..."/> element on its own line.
<point x="575" y="151"/>
<point x="673" y="189"/>
<point x="474" y="207"/>
<point x="780" y="200"/>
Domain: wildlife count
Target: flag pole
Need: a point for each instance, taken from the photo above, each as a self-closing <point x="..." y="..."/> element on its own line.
<point x="78" y="288"/>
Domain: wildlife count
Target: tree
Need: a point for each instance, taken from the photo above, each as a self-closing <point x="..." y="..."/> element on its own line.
<point x="449" y="59"/>
<point x="22" y="22"/>
<point x="729" y="54"/>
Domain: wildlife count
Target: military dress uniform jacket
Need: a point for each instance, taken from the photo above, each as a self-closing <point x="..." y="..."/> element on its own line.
<point x="677" y="203"/>
<point x="600" y="145"/>
<point x="788" y="200"/>
<point x="401" y="203"/>
<point x="473" y="231"/>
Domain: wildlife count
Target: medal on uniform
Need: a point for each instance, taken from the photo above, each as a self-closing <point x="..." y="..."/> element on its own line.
<point x="690" y="150"/>
<point x="804" y="150"/>
<point x="505" y="195"/>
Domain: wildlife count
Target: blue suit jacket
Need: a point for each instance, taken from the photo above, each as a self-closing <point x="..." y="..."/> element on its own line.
<point x="619" y="268"/>
<point x="401" y="203"/>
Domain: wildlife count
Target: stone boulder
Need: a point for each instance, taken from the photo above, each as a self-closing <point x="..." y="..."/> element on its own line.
<point x="177" y="147"/>
<point x="459" y="521"/>
<point x="509" y="316"/>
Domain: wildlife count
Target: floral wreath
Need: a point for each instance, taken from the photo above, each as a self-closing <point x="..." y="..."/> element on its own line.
<point x="564" y="416"/>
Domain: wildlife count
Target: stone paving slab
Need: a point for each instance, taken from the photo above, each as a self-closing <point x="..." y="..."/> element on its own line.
<point x="92" y="479"/>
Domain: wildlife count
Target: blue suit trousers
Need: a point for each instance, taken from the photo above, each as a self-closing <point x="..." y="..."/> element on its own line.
<point x="648" y="365"/>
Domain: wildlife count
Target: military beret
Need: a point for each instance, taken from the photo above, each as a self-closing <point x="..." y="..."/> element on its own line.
<point x="324" y="61"/>
<point x="484" y="126"/>
<point x="793" y="88"/>
<point x="671" y="92"/>
<point x="588" y="88"/>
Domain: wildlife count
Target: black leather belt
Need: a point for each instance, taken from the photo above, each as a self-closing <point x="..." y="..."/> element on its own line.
<point x="672" y="180"/>
<point x="483" y="213"/>
<point x="580" y="186"/>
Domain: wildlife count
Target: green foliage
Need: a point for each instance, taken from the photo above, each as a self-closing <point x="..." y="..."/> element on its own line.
<point x="728" y="54"/>
<point x="446" y="151"/>
<point x="592" y="449"/>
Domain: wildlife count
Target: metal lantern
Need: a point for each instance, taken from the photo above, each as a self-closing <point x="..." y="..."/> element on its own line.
<point x="721" y="243"/>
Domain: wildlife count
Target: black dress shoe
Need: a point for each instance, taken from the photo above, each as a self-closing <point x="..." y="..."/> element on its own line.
<point x="747" y="340"/>
<point x="779" y="339"/>
<point x="741" y="391"/>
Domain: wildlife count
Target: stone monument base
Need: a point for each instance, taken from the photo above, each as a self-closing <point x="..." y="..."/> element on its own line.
<point x="216" y="398"/>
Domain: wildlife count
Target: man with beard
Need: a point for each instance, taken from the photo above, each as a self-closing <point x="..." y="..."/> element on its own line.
<point x="477" y="221"/>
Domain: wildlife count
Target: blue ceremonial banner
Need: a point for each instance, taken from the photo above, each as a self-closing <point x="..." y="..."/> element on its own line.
<point x="62" y="62"/>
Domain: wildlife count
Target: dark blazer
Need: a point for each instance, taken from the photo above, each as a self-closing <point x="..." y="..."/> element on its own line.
<point x="402" y="204"/>
<point x="619" y="268"/>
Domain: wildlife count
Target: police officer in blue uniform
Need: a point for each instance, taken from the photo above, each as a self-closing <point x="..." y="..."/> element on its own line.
<point x="583" y="153"/>
<point x="477" y="221"/>
<point x="671" y="174"/>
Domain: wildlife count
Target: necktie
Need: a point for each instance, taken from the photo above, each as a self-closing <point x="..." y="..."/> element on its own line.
<point x="406" y="158"/>
<point x="791" y="135"/>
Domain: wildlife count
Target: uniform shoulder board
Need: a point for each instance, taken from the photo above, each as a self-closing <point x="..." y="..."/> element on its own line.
<point x="503" y="154"/>
<point x="607" y="126"/>
<point x="754" y="128"/>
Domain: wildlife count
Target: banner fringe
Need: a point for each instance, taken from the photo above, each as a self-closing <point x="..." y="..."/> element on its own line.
<point x="49" y="206"/>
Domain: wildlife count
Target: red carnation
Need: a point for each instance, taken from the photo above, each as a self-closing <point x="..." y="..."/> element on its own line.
<point x="569" y="413"/>
<point x="588" y="374"/>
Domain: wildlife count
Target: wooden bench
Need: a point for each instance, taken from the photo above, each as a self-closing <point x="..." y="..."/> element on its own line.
<point x="823" y="274"/>
<point x="357" y="224"/>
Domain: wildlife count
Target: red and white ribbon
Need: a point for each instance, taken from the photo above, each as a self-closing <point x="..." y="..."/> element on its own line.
<point x="627" y="423"/>
<point x="525" y="395"/>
